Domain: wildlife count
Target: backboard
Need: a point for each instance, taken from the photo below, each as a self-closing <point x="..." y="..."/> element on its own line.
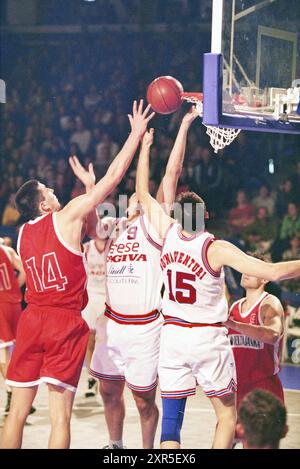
<point x="252" y="75"/>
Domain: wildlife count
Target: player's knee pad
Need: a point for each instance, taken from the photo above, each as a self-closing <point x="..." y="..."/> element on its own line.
<point x="172" y="418"/>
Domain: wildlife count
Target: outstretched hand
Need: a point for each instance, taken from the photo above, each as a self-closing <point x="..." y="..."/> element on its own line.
<point x="139" y="118"/>
<point x="191" y="115"/>
<point x="87" y="177"/>
<point x="148" y="137"/>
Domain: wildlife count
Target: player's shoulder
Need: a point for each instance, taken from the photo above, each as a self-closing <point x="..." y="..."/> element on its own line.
<point x="235" y="304"/>
<point x="149" y="231"/>
<point x="7" y="249"/>
<point x="271" y="301"/>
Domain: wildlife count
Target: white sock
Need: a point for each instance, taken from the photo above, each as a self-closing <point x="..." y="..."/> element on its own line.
<point x="118" y="443"/>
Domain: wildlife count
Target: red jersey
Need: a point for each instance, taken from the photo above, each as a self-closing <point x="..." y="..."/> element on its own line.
<point x="55" y="272"/>
<point x="254" y="360"/>
<point x="9" y="288"/>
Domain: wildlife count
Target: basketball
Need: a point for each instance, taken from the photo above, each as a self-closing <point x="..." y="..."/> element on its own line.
<point x="164" y="94"/>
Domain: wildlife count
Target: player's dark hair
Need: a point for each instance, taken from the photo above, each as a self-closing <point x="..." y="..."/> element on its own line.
<point x="263" y="417"/>
<point x="28" y="199"/>
<point x="192" y="212"/>
<point x="258" y="255"/>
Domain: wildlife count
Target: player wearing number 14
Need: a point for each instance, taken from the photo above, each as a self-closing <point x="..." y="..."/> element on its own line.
<point x="52" y="336"/>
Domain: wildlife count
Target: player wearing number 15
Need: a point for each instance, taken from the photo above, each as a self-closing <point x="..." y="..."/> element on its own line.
<point x="52" y="336"/>
<point x="194" y="346"/>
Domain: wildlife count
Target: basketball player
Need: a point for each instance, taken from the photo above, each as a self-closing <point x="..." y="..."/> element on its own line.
<point x="94" y="311"/>
<point x="52" y="336"/>
<point x="194" y="346"/>
<point x="133" y="285"/>
<point x="262" y="420"/>
<point x="10" y="305"/>
<point x="256" y="325"/>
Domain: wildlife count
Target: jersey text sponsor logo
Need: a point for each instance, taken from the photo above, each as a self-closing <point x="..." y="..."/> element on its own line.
<point x="184" y="259"/>
<point x="243" y="341"/>
<point x="127" y="258"/>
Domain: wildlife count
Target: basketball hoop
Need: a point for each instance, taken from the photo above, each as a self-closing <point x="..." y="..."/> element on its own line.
<point x="219" y="138"/>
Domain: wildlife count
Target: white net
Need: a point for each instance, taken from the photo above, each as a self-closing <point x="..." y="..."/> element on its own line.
<point x="218" y="137"/>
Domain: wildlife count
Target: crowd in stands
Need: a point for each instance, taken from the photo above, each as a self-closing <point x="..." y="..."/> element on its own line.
<point x="73" y="97"/>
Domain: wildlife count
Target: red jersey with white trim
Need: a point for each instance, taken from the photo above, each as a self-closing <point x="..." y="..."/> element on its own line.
<point x="194" y="292"/>
<point x="254" y="360"/>
<point x="10" y="291"/>
<point x="55" y="273"/>
<point x="133" y="276"/>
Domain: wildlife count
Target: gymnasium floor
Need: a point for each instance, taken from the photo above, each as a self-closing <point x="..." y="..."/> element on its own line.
<point x="89" y="430"/>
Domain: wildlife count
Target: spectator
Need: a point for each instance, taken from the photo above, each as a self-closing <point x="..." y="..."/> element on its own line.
<point x="294" y="252"/>
<point x="295" y="178"/>
<point x="207" y="178"/>
<point x="284" y="197"/>
<point x="262" y="232"/>
<point x="265" y="199"/>
<point x="106" y="150"/>
<point x="243" y="215"/>
<point x="291" y="222"/>
<point x="92" y="99"/>
<point x="10" y="215"/>
<point x="81" y="136"/>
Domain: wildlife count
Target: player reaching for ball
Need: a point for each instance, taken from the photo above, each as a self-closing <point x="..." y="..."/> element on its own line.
<point x="195" y="348"/>
<point x="133" y="286"/>
<point x="52" y="336"/>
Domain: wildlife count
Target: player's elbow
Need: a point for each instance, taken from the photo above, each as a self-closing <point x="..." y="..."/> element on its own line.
<point x="276" y="273"/>
<point x="173" y="173"/>
<point x="273" y="337"/>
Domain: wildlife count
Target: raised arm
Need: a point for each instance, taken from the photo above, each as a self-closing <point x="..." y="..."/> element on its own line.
<point x="167" y="190"/>
<point x="88" y="178"/>
<point x="79" y="207"/>
<point x="151" y="207"/>
<point x="221" y="253"/>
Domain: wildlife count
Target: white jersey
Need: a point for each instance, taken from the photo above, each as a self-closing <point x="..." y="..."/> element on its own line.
<point x="133" y="275"/>
<point x="95" y="269"/>
<point x="194" y="292"/>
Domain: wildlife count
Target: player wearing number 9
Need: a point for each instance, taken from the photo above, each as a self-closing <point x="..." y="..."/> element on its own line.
<point x="52" y="336"/>
<point x="194" y="345"/>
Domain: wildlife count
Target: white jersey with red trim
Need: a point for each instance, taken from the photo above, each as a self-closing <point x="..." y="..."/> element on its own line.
<point x="95" y="268"/>
<point x="194" y="292"/>
<point x="133" y="275"/>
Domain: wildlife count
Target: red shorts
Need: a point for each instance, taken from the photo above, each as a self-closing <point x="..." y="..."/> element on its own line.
<point x="9" y="317"/>
<point x="50" y="347"/>
<point x="272" y="384"/>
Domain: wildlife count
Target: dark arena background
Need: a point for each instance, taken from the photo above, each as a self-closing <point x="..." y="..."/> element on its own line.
<point x="70" y="70"/>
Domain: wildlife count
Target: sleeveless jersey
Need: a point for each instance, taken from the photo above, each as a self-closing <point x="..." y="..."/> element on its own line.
<point x="133" y="276"/>
<point x="10" y="291"/>
<point x="255" y="360"/>
<point x="95" y="268"/>
<point x="55" y="273"/>
<point x="194" y="292"/>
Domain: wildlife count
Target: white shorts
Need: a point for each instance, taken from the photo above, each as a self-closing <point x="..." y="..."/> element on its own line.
<point x="195" y="355"/>
<point x="94" y="309"/>
<point x="130" y="354"/>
